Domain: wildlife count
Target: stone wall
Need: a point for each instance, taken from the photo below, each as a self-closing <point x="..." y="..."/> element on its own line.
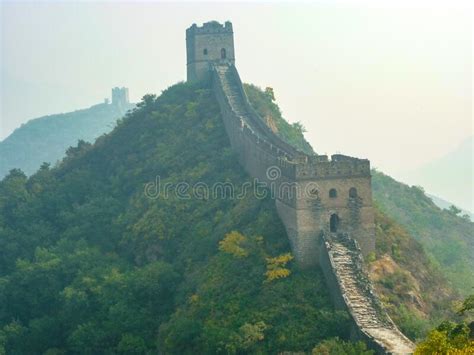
<point x="308" y="191"/>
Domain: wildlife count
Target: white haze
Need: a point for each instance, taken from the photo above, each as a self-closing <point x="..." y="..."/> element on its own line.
<point x="391" y="82"/>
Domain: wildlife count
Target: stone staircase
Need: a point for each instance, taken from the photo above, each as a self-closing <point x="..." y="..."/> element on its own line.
<point x="230" y="83"/>
<point x="232" y="90"/>
<point x="363" y="305"/>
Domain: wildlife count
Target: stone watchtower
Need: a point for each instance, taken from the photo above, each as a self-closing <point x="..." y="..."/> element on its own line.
<point x="120" y="97"/>
<point x="210" y="43"/>
<point x="336" y="199"/>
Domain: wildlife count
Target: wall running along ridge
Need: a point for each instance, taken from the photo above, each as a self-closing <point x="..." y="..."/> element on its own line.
<point x="325" y="204"/>
<point x="267" y="158"/>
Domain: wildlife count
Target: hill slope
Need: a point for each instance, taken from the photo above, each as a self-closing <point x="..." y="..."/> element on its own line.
<point x="446" y="205"/>
<point x="447" y="238"/>
<point x="46" y="139"/>
<point x="112" y="251"/>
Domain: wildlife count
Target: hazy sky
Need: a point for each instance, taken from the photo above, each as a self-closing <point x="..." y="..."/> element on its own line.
<point x="387" y="80"/>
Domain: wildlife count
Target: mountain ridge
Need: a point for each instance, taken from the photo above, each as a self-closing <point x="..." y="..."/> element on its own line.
<point x="449" y="176"/>
<point x="45" y="139"/>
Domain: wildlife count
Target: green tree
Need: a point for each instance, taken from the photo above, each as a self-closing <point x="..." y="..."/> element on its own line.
<point x="336" y="346"/>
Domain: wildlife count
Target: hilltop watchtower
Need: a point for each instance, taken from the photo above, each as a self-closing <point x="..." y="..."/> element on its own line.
<point x="120" y="97"/>
<point x="210" y="43"/>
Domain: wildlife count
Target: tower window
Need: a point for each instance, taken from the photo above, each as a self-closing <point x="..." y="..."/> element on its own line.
<point x="332" y="193"/>
<point x="352" y="192"/>
<point x="204" y="51"/>
<point x="223" y="53"/>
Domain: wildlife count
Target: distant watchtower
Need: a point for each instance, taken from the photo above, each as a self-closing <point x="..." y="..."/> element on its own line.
<point x="213" y="42"/>
<point x="120" y="97"/>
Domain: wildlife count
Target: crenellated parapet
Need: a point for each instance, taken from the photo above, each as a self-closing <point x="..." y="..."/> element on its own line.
<point x="339" y="166"/>
<point x="211" y="27"/>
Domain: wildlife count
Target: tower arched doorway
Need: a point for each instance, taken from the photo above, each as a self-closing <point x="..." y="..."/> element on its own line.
<point x="223" y="53"/>
<point x="334" y="223"/>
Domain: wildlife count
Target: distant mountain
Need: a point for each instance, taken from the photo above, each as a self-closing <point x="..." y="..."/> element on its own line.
<point x="450" y="177"/>
<point x="445" y="205"/>
<point x="46" y="139"/>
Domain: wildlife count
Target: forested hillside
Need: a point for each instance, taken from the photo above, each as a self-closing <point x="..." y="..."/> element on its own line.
<point x="46" y="139"/>
<point x="94" y="262"/>
<point x="447" y="237"/>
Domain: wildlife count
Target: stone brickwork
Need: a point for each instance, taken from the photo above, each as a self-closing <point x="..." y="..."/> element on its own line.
<point x="315" y="196"/>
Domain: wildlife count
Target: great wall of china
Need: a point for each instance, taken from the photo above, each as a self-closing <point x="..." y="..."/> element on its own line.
<point x="325" y="204"/>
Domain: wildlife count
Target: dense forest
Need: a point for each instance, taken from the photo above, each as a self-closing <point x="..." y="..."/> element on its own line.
<point x="92" y="262"/>
<point x="46" y="139"/>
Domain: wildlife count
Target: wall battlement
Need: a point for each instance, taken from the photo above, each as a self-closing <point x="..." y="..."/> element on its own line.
<point x="340" y="166"/>
<point x="211" y="27"/>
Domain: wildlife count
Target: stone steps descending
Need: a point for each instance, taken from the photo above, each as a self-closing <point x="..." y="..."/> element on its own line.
<point x="228" y="81"/>
<point x="231" y="90"/>
<point x="359" y="298"/>
<point x="237" y="102"/>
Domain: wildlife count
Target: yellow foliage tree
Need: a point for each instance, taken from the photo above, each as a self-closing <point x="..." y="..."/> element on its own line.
<point x="276" y="267"/>
<point x="439" y="343"/>
<point x="252" y="333"/>
<point x="232" y="244"/>
<point x="450" y="338"/>
<point x="246" y="338"/>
